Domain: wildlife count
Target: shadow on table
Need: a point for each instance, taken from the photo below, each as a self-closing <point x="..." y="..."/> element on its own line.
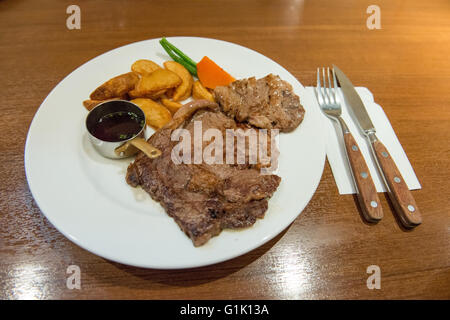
<point x="396" y="216"/>
<point x="196" y="276"/>
<point x="391" y="211"/>
<point x="361" y="214"/>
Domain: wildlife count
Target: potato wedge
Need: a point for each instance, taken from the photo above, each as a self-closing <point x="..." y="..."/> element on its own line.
<point x="134" y="94"/>
<point x="156" y="114"/>
<point x="91" y="104"/>
<point x="183" y="91"/>
<point x="144" y="66"/>
<point x="171" y="105"/>
<point x="169" y="93"/>
<point x="200" y="92"/>
<point x="160" y="79"/>
<point x="116" y="87"/>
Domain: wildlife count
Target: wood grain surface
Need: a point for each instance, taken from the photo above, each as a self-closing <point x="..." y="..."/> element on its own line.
<point x="326" y="251"/>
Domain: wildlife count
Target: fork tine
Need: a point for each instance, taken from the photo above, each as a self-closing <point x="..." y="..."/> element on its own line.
<point x="324" y="88"/>
<point x="318" y="78"/>
<point x="318" y="88"/>
<point x="330" y="91"/>
<point x="326" y="95"/>
<point x="335" y="86"/>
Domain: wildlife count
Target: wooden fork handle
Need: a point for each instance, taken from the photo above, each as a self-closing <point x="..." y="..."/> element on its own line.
<point x="398" y="191"/>
<point x="366" y="192"/>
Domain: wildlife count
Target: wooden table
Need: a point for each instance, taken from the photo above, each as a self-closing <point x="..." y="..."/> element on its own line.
<point x="325" y="253"/>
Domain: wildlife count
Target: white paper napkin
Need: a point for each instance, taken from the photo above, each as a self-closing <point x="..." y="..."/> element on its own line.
<point x="336" y="150"/>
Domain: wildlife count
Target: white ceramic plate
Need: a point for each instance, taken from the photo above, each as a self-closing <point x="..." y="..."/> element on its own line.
<point x="86" y="197"/>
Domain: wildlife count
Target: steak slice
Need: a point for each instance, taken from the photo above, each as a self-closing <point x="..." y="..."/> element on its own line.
<point x="268" y="103"/>
<point x="202" y="198"/>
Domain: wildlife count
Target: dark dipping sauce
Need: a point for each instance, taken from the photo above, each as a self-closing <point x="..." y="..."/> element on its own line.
<point x="117" y="126"/>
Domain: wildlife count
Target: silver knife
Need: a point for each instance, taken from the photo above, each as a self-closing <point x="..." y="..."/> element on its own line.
<point x="399" y="193"/>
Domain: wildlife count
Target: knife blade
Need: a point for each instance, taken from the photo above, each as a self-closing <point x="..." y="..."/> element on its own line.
<point x="399" y="193"/>
<point x="355" y="102"/>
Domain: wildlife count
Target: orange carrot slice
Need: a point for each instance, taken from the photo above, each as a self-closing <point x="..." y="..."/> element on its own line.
<point x="211" y="75"/>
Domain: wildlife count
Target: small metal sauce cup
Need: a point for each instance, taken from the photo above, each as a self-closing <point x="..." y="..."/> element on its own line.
<point x="123" y="148"/>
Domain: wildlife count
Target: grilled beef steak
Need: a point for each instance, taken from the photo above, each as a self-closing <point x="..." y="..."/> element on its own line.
<point x="202" y="198"/>
<point x="267" y="103"/>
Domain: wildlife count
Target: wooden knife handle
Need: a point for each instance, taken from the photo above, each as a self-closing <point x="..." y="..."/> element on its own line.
<point x="399" y="193"/>
<point x="366" y="191"/>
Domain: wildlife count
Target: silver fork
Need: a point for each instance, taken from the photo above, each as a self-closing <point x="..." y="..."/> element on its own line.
<point x="329" y="103"/>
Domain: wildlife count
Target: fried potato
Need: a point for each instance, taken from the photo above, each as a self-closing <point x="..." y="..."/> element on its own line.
<point x="160" y="79"/>
<point x="134" y="94"/>
<point x="200" y="92"/>
<point x="116" y="87"/>
<point x="91" y="104"/>
<point x="156" y="114"/>
<point x="183" y="91"/>
<point x="144" y="66"/>
<point x="171" y="105"/>
<point x="169" y="93"/>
